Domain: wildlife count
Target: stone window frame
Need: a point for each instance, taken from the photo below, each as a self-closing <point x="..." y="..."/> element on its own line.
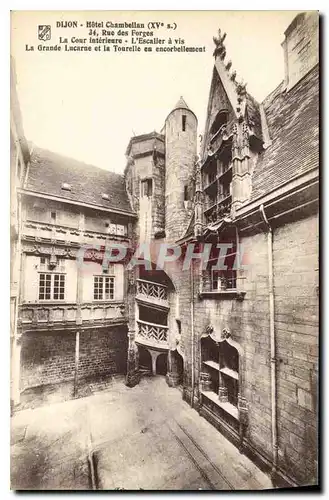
<point x="57" y="291"/>
<point x="148" y="183"/>
<point x="105" y="289"/>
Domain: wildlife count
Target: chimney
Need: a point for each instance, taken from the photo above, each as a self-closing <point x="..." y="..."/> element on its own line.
<point x="301" y="47"/>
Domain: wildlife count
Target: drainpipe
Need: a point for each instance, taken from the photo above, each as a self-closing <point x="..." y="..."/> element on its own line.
<point x="273" y="341"/>
<point x="192" y="330"/>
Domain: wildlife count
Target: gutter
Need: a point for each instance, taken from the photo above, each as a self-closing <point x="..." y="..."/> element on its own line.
<point x="272" y="340"/>
<point x="74" y="202"/>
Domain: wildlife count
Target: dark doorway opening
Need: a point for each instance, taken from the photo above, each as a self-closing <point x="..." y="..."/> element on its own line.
<point x="161" y="364"/>
<point x="145" y="360"/>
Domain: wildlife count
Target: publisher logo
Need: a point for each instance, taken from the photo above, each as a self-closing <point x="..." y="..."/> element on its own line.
<point x="44" y="32"/>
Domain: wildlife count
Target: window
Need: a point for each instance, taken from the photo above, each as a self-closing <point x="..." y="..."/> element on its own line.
<point x="186" y="193"/>
<point x="229" y="371"/>
<point x="103" y="287"/>
<point x="223" y="263"/>
<point x="118" y="229"/>
<point x="51" y="286"/>
<point x="146" y="187"/>
<point x="183" y="123"/>
<point x="53" y="216"/>
<point x="223" y="280"/>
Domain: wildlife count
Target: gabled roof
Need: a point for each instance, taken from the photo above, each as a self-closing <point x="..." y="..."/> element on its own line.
<point x="293" y="125"/>
<point x="49" y="171"/>
<point x="226" y="93"/>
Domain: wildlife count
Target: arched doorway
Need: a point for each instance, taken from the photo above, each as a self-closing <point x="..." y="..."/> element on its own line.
<point x="145" y="360"/>
<point x="161" y="364"/>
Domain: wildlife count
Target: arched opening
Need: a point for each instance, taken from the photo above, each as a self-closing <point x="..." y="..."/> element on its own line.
<point x="219" y="121"/>
<point x="161" y="364"/>
<point x="145" y="360"/>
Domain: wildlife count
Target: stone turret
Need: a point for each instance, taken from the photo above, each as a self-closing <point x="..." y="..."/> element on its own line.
<point x="181" y="144"/>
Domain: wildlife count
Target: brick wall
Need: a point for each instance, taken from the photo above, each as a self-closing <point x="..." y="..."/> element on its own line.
<point x="103" y="351"/>
<point x="49" y="358"/>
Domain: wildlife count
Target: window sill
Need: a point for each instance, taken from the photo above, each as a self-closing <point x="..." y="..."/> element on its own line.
<point x="224" y="294"/>
<point x="227" y="407"/>
<point x="104" y="301"/>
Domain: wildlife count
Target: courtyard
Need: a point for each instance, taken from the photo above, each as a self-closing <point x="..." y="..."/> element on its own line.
<point x="117" y="438"/>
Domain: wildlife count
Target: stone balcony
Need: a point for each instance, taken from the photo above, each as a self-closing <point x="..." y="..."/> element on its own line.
<point x="151" y="293"/>
<point x="152" y="335"/>
<point x="63" y="316"/>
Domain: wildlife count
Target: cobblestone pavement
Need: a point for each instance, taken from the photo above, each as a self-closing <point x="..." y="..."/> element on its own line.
<point x="144" y="437"/>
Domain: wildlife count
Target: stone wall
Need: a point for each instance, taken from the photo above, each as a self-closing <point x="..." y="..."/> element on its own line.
<point x="301" y="47"/>
<point x="49" y="358"/>
<point x="180" y="161"/>
<point x="295" y="252"/>
<point x="296" y="325"/>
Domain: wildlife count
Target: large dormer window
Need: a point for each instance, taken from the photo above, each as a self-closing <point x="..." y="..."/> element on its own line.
<point x="219" y="121"/>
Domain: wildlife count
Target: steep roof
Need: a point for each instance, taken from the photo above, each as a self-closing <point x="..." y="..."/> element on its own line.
<point x="48" y="171"/>
<point x="293" y="123"/>
<point x="181" y="104"/>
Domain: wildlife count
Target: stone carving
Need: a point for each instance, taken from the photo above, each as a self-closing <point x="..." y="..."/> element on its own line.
<point x="209" y="330"/>
<point x="228" y="65"/>
<point x="205" y="381"/>
<point x="226" y="333"/>
<point x="223" y="394"/>
<point x="241" y="89"/>
<point x="220" y="49"/>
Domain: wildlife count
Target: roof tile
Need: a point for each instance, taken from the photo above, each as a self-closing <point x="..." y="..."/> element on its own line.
<point x="49" y="171"/>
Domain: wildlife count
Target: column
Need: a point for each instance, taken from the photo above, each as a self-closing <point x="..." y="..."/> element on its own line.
<point x="133" y="375"/>
<point x="172" y="377"/>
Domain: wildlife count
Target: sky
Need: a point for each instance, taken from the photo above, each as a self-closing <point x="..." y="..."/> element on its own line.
<point x="87" y="105"/>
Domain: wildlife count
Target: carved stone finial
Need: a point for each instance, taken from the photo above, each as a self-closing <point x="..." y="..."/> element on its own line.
<point x="228" y="65"/>
<point x="241" y="89"/>
<point x="233" y="76"/>
<point x="219" y="45"/>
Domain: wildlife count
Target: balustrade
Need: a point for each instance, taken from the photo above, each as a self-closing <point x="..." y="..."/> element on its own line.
<point x="152" y="334"/>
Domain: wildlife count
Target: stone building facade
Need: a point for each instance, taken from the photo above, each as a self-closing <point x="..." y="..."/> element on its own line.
<point x="239" y="340"/>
